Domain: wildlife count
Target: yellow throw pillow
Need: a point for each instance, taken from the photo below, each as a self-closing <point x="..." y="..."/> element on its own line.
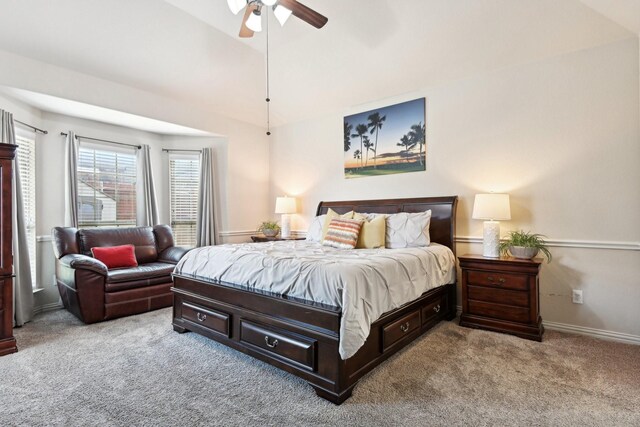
<point x="331" y="214"/>
<point x="372" y="233"/>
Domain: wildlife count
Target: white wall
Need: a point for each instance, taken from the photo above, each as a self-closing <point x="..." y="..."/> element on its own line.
<point x="560" y="135"/>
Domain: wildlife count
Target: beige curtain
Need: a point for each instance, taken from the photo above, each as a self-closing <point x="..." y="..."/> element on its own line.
<point x="206" y="234"/>
<point x="147" y="204"/>
<point x="71" y="180"/>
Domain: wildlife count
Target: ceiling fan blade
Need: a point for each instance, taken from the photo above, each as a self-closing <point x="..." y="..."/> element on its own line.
<point x="301" y="11"/>
<point x="245" y="31"/>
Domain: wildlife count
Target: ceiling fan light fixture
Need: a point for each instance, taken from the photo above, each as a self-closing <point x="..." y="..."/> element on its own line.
<point x="269" y="2"/>
<point x="254" y="22"/>
<point x="236" y="5"/>
<point x="281" y="13"/>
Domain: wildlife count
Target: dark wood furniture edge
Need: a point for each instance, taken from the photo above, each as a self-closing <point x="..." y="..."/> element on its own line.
<point x="8" y="346"/>
<point x="331" y="377"/>
<point x="533" y="330"/>
<point x="478" y="322"/>
<point x="7" y="340"/>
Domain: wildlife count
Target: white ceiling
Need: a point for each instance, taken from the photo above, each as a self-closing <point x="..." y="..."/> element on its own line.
<point x="105" y="115"/>
<point x="369" y="49"/>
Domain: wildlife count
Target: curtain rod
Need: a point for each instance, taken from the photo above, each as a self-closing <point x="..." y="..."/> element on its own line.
<point x="31" y="127"/>
<point x="169" y="150"/>
<point x="104" y="140"/>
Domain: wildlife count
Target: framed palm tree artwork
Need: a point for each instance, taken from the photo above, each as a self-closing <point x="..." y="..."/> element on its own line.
<point x="386" y="140"/>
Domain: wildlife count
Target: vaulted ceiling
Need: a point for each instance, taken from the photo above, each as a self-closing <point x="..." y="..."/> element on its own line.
<point x="369" y="50"/>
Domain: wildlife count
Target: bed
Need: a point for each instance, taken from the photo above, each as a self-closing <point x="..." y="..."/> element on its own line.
<point x="305" y="337"/>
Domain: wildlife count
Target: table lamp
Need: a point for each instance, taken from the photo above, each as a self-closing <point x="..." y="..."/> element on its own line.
<point x="285" y="206"/>
<point x="492" y="208"/>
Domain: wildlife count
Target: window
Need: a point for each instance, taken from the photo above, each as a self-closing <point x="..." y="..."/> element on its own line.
<point x="184" y="174"/>
<point x="106" y="186"/>
<point x="26" y="155"/>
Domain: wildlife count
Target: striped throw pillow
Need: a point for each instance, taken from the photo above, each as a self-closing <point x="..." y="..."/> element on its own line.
<point x="343" y="233"/>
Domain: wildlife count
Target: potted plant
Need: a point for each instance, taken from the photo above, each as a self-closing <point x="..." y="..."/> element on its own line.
<point x="269" y="228"/>
<point x="524" y="245"/>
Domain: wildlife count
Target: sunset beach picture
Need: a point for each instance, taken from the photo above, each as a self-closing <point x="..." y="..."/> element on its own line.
<point x="386" y="140"/>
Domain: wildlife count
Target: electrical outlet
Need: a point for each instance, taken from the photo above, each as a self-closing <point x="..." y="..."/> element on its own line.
<point x="576" y="297"/>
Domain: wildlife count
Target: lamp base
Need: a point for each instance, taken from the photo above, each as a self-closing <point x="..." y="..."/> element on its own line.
<point x="285" y="229"/>
<point x="491" y="239"/>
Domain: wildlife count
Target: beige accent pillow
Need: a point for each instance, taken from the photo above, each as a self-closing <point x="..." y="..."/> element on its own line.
<point x="373" y="231"/>
<point x="331" y="214"/>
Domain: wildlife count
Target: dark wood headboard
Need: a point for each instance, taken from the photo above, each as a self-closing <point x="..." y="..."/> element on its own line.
<point x="443" y="213"/>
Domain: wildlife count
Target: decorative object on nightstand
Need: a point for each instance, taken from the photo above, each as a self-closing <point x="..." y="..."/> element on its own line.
<point x="501" y="295"/>
<point x="286" y="206"/>
<point x="269" y="228"/>
<point x="524" y="245"/>
<point x="492" y="207"/>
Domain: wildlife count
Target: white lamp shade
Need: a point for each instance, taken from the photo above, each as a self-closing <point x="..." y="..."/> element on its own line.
<point x="492" y="206"/>
<point x="254" y="22"/>
<point x="282" y="14"/>
<point x="236" y="5"/>
<point x="286" y="205"/>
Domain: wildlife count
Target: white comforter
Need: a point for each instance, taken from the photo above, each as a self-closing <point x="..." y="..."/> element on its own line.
<point x="364" y="283"/>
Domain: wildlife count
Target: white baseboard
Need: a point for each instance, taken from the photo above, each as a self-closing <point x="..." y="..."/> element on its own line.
<point x="593" y="332"/>
<point x="582" y="330"/>
<point x="47" y="307"/>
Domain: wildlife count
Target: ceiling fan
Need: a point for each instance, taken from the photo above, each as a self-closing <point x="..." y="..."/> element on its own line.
<point x="282" y="9"/>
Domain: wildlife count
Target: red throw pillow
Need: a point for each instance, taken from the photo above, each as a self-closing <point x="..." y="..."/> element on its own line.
<point x="116" y="256"/>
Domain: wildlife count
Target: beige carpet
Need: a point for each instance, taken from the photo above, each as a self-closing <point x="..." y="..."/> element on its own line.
<point x="137" y="371"/>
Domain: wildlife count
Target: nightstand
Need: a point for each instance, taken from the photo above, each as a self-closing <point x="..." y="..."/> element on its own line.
<point x="501" y="295"/>
<point x="263" y="238"/>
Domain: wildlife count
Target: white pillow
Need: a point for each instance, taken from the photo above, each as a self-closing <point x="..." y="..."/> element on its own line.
<point x="408" y="230"/>
<point x="314" y="234"/>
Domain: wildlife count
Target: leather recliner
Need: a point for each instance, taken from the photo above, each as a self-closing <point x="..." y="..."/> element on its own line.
<point x="94" y="293"/>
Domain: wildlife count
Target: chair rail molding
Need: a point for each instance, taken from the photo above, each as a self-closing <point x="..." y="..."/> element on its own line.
<point x="566" y="243"/>
<point x="555" y="243"/>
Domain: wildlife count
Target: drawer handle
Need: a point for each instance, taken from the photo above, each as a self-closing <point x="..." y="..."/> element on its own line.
<point x="269" y="344"/>
<point x="405" y="327"/>
<point x="492" y="280"/>
<point x="437" y="308"/>
<point x="201" y="317"/>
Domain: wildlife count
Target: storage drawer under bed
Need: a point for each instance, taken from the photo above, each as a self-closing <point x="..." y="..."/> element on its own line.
<point x="435" y="310"/>
<point x="279" y="343"/>
<point x="400" y="328"/>
<point x="207" y="317"/>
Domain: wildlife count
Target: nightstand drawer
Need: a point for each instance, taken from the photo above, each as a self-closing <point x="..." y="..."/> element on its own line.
<point x="499" y="280"/>
<point x="499" y="311"/>
<point x="499" y="296"/>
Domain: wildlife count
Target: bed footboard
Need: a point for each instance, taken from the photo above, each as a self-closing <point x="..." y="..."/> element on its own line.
<point x="299" y="337"/>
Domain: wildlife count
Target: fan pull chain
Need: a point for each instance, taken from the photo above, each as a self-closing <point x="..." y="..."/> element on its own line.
<point x="268" y="99"/>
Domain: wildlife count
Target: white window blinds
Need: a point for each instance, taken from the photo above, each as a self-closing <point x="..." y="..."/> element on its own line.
<point x="184" y="175"/>
<point x="26" y="155"/>
<point x="106" y="186"/>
